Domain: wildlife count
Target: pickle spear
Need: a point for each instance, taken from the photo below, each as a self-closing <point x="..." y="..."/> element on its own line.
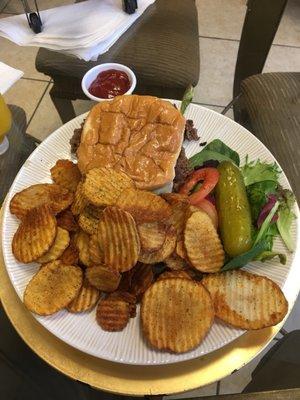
<point x="233" y="210"/>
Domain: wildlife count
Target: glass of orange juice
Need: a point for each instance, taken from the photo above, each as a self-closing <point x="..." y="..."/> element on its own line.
<point x="5" y="124"/>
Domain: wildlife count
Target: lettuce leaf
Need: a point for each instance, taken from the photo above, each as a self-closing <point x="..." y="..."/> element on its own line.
<point x="245" y="258"/>
<point x="285" y="218"/>
<point x="264" y="229"/>
<point x="257" y="171"/>
<point x="258" y="196"/>
<point x="215" y="150"/>
<point x="269" y="255"/>
<point x="187" y="99"/>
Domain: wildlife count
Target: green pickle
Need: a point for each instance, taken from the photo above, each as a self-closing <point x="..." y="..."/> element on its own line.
<point x="233" y="210"/>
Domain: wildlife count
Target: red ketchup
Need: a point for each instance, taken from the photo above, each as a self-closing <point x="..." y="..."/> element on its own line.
<point x="109" y="84"/>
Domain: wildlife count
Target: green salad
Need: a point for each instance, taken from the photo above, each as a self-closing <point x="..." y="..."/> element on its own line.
<point x="256" y="208"/>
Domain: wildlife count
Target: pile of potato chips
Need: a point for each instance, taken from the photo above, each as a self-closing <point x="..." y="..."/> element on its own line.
<point x="100" y="241"/>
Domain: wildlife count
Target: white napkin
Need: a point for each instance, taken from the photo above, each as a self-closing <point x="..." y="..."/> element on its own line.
<point x="8" y="76"/>
<point x="84" y="29"/>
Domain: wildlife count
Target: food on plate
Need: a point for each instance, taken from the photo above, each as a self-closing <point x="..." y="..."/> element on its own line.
<point x="152" y="235"/>
<point x="109" y="84"/>
<point x="71" y="255"/>
<point x="103" y="277"/>
<point x="61" y="242"/>
<point x="144" y="206"/>
<point x="82" y="240"/>
<point x="96" y="257"/>
<point x="233" y="210"/>
<point x="118" y="239"/>
<point x="56" y="196"/>
<point x="175" y="262"/>
<point x="174" y="274"/>
<point x="112" y="314"/>
<point x="86" y="298"/>
<point x="168" y="247"/>
<point x="98" y="232"/>
<point x="80" y="201"/>
<point x="139" y="135"/>
<point x="129" y="298"/>
<point x="66" y="220"/>
<point x="35" y="234"/>
<point x="209" y="176"/>
<point x="245" y="300"/>
<point x="88" y="222"/>
<point x="174" y="198"/>
<point x="141" y="279"/>
<point x="183" y="169"/>
<point x="65" y="173"/>
<point x="52" y="288"/>
<point x="202" y="243"/>
<point x="103" y="186"/>
<point x="176" y="314"/>
<point x="208" y="207"/>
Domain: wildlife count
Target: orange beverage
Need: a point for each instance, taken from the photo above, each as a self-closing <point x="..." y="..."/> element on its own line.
<point x="5" y="119"/>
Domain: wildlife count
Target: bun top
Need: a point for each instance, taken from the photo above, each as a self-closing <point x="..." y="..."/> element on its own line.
<point x="139" y="135"/>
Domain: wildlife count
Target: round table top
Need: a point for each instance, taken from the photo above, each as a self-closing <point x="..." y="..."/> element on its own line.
<point x="128" y="379"/>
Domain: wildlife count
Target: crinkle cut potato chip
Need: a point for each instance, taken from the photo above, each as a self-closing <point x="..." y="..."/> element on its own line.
<point x="35" y="234"/>
<point x="82" y="240"/>
<point x="71" y="255"/>
<point x="61" y="242"/>
<point x="52" y="288"/>
<point x="96" y="257"/>
<point x="88" y="222"/>
<point x="175" y="198"/>
<point x="65" y="173"/>
<point x="103" y="277"/>
<point x="103" y="186"/>
<point x="66" y="220"/>
<point x="112" y="314"/>
<point x="176" y="263"/>
<point x="202" y="243"/>
<point x="176" y="314"/>
<point x="56" y="196"/>
<point x="165" y="251"/>
<point x="85" y="300"/>
<point x="245" y="300"/>
<point x="174" y="274"/>
<point x="152" y="235"/>
<point x="129" y="298"/>
<point x="144" y="206"/>
<point x="80" y="201"/>
<point x="118" y="239"/>
<point x="141" y="279"/>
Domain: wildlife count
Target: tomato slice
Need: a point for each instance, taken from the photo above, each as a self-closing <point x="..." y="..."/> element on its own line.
<point x="206" y="206"/>
<point x="209" y="176"/>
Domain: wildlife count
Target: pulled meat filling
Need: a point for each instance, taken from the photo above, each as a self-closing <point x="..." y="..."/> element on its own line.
<point x="75" y="139"/>
<point x="182" y="170"/>
<point x="190" y="132"/>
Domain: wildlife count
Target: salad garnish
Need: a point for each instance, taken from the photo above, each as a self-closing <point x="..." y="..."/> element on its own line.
<point x="271" y="206"/>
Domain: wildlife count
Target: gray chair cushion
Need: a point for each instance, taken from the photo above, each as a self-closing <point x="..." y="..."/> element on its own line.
<point x="272" y="102"/>
<point x="162" y="48"/>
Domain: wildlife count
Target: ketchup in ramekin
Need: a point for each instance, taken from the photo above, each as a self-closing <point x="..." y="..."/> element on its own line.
<point x="109" y="84"/>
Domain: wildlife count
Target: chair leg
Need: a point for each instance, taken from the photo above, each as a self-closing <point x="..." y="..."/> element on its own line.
<point x="260" y="26"/>
<point x="63" y="106"/>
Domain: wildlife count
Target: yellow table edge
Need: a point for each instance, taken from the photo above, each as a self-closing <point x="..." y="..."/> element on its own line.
<point x="128" y="379"/>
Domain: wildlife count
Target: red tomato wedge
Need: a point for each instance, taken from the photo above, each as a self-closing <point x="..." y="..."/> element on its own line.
<point x="209" y="176"/>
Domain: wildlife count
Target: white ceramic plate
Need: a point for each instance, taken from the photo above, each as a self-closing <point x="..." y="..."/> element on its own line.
<point x="128" y="346"/>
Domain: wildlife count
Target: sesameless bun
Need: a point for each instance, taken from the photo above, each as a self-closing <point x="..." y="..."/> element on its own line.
<point x="139" y="135"/>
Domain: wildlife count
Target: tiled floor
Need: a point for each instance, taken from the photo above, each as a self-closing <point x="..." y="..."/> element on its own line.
<point x="220" y="25"/>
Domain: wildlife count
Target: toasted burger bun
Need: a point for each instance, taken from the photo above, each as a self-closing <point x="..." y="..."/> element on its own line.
<point x="139" y="135"/>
